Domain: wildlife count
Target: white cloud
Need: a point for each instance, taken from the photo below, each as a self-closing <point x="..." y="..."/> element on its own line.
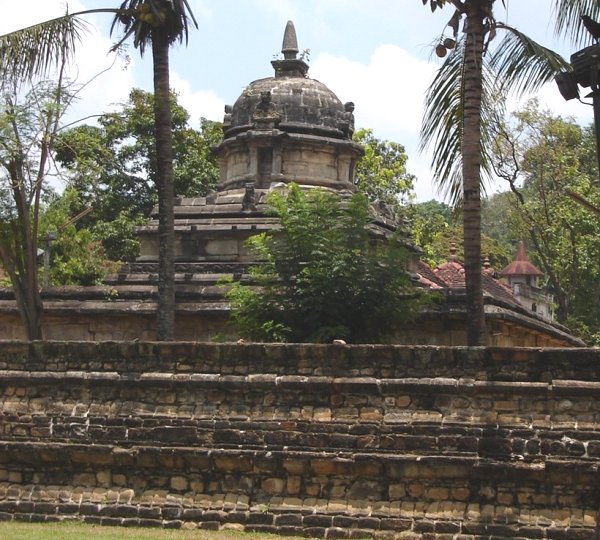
<point x="388" y="93"/>
<point x="199" y="103"/>
<point x="35" y="11"/>
<point x="91" y="66"/>
<point x="107" y="80"/>
<point x="551" y="99"/>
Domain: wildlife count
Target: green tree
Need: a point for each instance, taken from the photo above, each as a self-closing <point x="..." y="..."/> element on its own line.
<point x="381" y="172"/>
<point x="554" y="167"/>
<point x="322" y="276"/>
<point x="113" y="167"/>
<point x="459" y="107"/>
<point x="428" y="221"/>
<point x="436" y="227"/>
<point x="76" y="255"/>
<point x="158" y="23"/>
<point x="29" y="123"/>
<point x="495" y="218"/>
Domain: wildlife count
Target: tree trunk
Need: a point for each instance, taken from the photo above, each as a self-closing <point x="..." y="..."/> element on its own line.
<point x="165" y="320"/>
<point x="22" y="264"/>
<point x="26" y="291"/>
<point x="32" y="293"/>
<point x="471" y="170"/>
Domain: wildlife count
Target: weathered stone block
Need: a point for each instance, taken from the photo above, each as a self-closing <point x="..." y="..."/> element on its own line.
<point x="274" y="486"/>
<point x="233" y="463"/>
<point x="175" y="524"/>
<point x="260" y="518"/>
<point x="236" y="517"/>
<point x="570" y="534"/>
<point x="288" y="519"/>
<point x="317" y="521"/>
<point x="209" y="525"/>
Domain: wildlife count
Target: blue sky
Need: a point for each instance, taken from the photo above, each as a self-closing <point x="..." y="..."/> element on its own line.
<point x="377" y="53"/>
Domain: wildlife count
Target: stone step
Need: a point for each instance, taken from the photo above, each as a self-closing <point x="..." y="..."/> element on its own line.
<point x="378" y="438"/>
<point x="361" y="494"/>
<point x="578" y="376"/>
<point x="313" y="517"/>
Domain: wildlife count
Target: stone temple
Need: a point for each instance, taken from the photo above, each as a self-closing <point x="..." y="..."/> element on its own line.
<point x="285" y="128"/>
<point x="281" y="129"/>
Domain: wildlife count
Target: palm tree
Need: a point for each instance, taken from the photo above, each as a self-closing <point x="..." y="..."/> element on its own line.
<point x="459" y="105"/>
<point x="158" y="23"/>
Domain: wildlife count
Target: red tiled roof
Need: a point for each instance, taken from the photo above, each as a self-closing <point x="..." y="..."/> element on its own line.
<point x="427" y="277"/>
<point x="521" y="265"/>
<point x="451" y="276"/>
<point x="498" y="290"/>
<point x="452" y="273"/>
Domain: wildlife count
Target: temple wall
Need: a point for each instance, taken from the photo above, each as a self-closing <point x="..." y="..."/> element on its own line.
<point x="121" y="319"/>
<point x="311" y="165"/>
<point x="327" y="441"/>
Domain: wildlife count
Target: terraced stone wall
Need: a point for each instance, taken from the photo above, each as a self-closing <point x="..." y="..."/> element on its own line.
<point x="326" y="441"/>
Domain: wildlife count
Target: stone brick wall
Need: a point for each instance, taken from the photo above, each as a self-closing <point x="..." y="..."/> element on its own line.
<point x="328" y="441"/>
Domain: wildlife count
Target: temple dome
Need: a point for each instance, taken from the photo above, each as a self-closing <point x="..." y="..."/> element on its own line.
<point x="301" y="104"/>
<point x="291" y="100"/>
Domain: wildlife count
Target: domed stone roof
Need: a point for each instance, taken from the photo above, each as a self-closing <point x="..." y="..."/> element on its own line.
<point x="299" y="103"/>
<point x="291" y="100"/>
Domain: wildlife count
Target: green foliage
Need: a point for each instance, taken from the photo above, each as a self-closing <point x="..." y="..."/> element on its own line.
<point x="118" y="236"/>
<point x="429" y="221"/>
<point x="556" y="161"/>
<point x="436" y="227"/>
<point x="78" y="259"/>
<point x="77" y="256"/>
<point x="381" y="173"/>
<point x="113" y="168"/>
<point x="497" y="220"/>
<point x="322" y="276"/>
<point x="151" y="20"/>
<point x="495" y="252"/>
<point x="29" y="121"/>
<point x="114" y="165"/>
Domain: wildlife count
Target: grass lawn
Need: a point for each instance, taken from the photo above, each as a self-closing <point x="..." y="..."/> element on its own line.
<point x="14" y="530"/>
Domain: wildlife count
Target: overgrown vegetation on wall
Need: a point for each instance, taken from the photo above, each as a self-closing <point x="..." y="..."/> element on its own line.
<point x="323" y="277"/>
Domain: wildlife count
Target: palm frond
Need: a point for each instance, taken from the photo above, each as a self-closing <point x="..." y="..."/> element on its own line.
<point x="175" y="16"/>
<point x="441" y="129"/>
<point x="442" y="126"/>
<point x="32" y="51"/>
<point x="522" y="65"/>
<point x="567" y="15"/>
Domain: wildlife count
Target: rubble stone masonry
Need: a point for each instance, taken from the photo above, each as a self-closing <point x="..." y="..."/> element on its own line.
<point x="324" y="441"/>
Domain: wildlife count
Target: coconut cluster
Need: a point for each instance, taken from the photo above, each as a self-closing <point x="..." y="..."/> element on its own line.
<point x="444" y="46"/>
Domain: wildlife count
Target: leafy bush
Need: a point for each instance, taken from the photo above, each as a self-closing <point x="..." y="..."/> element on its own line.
<point x="323" y="276"/>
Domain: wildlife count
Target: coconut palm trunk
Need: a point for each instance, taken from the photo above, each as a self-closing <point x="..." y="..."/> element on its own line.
<point x="165" y="321"/>
<point x="471" y="172"/>
<point x="30" y="52"/>
<point x="458" y="113"/>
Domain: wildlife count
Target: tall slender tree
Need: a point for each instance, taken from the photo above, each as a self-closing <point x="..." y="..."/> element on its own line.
<point x="29" y="125"/>
<point x="158" y="23"/>
<point x="460" y="102"/>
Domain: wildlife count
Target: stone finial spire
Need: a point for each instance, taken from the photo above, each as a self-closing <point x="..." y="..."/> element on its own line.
<point x="290" y="42"/>
<point x="453" y="250"/>
<point x="521" y="253"/>
<point x="290" y="66"/>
